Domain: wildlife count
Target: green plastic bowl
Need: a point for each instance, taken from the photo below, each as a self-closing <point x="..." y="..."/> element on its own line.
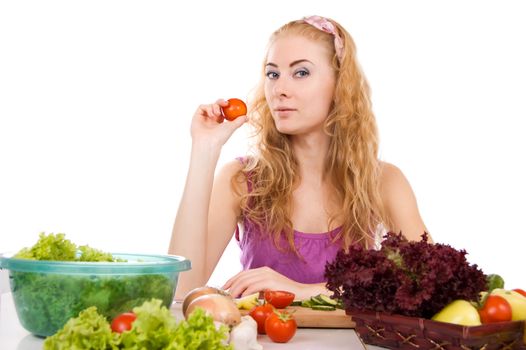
<point x="48" y="293"/>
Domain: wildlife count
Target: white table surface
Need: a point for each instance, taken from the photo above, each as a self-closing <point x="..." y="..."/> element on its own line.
<point x="14" y="337"/>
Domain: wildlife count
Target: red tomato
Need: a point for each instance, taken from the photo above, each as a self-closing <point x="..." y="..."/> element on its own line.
<point x="123" y="322"/>
<point x="520" y="291"/>
<point x="260" y="314"/>
<point x="236" y="108"/>
<point x="280" y="327"/>
<point x="495" y="309"/>
<point x="278" y="298"/>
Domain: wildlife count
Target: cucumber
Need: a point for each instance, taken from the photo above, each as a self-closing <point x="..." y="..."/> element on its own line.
<point x="306" y="303"/>
<point x="327" y="300"/>
<point x="317" y="300"/>
<point x="320" y="302"/>
<point x="296" y="303"/>
<point x="323" y="307"/>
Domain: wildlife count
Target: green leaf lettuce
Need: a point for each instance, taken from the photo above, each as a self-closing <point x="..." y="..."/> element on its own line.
<point x="88" y="331"/>
<point x="154" y="329"/>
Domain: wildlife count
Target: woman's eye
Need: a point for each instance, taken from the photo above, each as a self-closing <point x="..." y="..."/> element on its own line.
<point x="302" y="73"/>
<point x="272" y="75"/>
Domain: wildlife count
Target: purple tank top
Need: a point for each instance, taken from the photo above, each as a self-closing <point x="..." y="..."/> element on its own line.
<point x="316" y="249"/>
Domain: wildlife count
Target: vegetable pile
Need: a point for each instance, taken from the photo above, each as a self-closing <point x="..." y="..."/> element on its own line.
<point x="45" y="301"/>
<point x="220" y="306"/>
<point x="154" y="328"/>
<point x="408" y="278"/>
<point x="271" y="318"/>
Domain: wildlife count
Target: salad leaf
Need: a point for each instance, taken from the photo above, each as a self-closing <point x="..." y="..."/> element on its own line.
<point x="91" y="254"/>
<point x="55" y="247"/>
<point x="50" y="247"/>
<point x="407" y="278"/>
<point x="88" y="331"/>
<point x="200" y="332"/>
<point x="154" y="329"/>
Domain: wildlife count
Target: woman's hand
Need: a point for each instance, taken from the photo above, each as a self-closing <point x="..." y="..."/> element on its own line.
<point x="263" y="278"/>
<point x="208" y="127"/>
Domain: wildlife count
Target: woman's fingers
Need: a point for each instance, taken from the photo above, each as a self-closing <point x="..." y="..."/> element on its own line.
<point x="217" y="106"/>
<point x="230" y="281"/>
<point x="216" y="109"/>
<point x="207" y="125"/>
<point x="214" y="112"/>
<point x="254" y="288"/>
<point x="236" y="284"/>
<point x="251" y="281"/>
<point x="222" y="102"/>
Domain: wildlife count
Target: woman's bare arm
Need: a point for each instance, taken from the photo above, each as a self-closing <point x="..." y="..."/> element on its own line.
<point x="400" y="203"/>
<point x="207" y="214"/>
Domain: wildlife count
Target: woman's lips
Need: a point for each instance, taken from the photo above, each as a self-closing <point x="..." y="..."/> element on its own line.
<point x="284" y="112"/>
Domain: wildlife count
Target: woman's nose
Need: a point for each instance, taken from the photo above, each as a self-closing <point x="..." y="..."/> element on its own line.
<point x="281" y="88"/>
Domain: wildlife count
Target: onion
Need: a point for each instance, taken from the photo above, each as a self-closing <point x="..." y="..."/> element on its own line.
<point x="199" y="291"/>
<point x="222" y="308"/>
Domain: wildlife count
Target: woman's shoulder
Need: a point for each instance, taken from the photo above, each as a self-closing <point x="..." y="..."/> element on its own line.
<point x="231" y="169"/>
<point x="233" y="172"/>
<point x="393" y="183"/>
<point x="400" y="202"/>
<point x="390" y="174"/>
<point x="234" y="166"/>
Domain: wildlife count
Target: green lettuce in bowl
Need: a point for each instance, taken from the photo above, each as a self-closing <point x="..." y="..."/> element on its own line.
<point x="54" y="280"/>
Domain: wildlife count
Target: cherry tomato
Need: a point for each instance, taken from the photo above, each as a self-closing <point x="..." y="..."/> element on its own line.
<point x="280" y="327"/>
<point x="520" y="291"/>
<point x="236" y="108"/>
<point x="278" y="298"/>
<point x="260" y="314"/>
<point x="123" y="322"/>
<point x="495" y="309"/>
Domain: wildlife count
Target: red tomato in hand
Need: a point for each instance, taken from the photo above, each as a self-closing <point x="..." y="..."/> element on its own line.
<point x="260" y="314"/>
<point x="278" y="298"/>
<point x="123" y="322"/>
<point x="495" y="309"/>
<point x="520" y="291"/>
<point x="236" y="108"/>
<point x="280" y="327"/>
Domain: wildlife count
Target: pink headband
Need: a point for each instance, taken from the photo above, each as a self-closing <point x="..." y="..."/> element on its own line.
<point x="327" y="26"/>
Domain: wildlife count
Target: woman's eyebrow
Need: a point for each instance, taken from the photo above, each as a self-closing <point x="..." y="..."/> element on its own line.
<point x="290" y="65"/>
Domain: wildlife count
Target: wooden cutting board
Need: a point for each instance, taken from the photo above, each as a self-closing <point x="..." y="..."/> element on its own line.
<point x="308" y="318"/>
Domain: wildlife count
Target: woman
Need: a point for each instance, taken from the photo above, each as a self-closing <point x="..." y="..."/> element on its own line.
<point x="315" y="184"/>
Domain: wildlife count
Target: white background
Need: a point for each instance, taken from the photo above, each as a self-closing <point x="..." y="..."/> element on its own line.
<point x="96" y="99"/>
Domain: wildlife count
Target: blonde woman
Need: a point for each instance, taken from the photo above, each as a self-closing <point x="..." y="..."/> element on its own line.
<point x="315" y="184"/>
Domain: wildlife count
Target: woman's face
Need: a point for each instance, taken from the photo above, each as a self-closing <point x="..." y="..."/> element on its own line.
<point x="299" y="84"/>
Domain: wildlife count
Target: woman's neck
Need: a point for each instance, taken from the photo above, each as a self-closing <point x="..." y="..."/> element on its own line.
<point x="311" y="152"/>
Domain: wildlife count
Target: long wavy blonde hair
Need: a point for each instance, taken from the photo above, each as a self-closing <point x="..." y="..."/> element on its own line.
<point x="351" y="166"/>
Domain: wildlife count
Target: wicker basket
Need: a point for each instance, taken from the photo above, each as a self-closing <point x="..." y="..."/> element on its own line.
<point x="402" y="332"/>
